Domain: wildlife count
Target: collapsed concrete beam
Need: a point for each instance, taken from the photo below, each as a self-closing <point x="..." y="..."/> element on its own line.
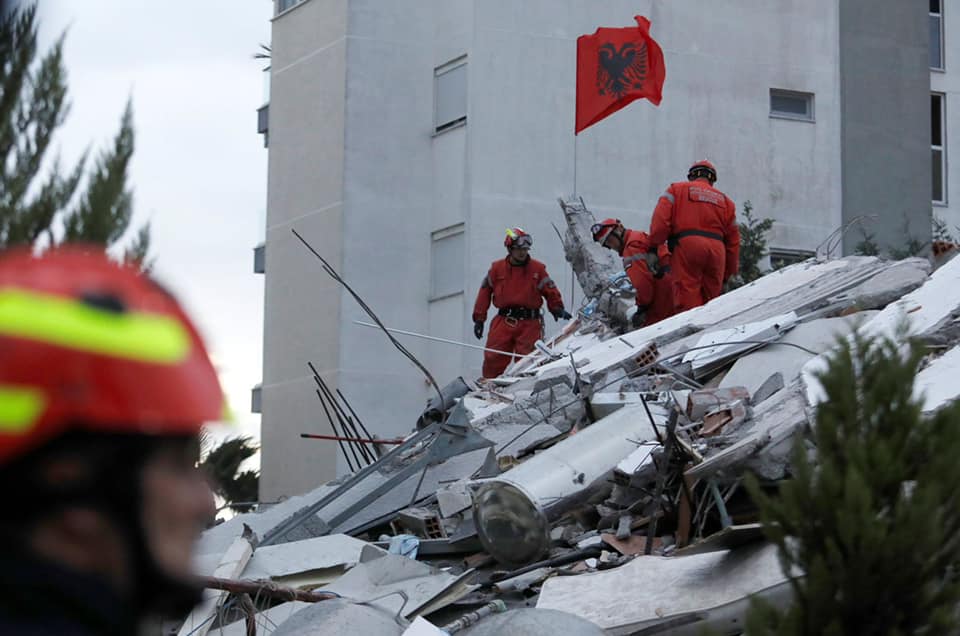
<point x="513" y="512"/>
<point x="598" y="270"/>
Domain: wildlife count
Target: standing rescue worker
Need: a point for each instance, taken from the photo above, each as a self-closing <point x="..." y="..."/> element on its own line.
<point x="104" y="384"/>
<point x="516" y="285"/>
<point x="699" y="225"/>
<point x="649" y="274"/>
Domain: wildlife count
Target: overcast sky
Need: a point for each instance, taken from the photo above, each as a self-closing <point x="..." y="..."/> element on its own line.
<point x="199" y="170"/>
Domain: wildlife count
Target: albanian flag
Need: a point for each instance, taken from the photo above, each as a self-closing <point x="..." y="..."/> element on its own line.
<point x="615" y="67"/>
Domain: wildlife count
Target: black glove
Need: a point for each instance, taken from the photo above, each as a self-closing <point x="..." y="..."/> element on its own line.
<point x="478" y="328"/>
<point x="560" y="313"/>
<point x="639" y="317"/>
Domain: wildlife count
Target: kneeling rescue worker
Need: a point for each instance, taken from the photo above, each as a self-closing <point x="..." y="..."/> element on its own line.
<point x="649" y="274"/>
<point x="104" y="384"/>
<point x="516" y="285"/>
<point x="699" y="225"/>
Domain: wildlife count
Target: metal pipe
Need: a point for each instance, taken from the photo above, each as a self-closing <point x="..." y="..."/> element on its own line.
<point x="493" y="607"/>
<point x="362" y="440"/>
<point x="435" y="339"/>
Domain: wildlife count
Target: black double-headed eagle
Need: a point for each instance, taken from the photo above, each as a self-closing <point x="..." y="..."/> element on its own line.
<point x="619" y="72"/>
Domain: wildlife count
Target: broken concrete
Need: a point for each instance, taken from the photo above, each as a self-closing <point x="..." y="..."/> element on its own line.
<point x="561" y="461"/>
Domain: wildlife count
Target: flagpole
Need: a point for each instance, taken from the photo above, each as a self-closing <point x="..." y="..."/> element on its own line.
<point x="575" y="137"/>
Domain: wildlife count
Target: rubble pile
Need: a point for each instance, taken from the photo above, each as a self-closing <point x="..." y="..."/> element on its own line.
<point x="597" y="477"/>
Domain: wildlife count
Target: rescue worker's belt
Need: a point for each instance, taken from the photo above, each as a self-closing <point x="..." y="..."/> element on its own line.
<point x="520" y="313"/>
<point x="674" y="240"/>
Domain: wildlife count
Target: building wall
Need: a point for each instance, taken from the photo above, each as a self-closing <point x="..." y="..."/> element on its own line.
<point x="885" y="136"/>
<point x="947" y="82"/>
<point x="305" y="192"/>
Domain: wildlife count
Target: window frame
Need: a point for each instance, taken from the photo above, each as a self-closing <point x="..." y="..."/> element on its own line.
<point x="794" y="256"/>
<point x="292" y="4"/>
<point x="457" y="229"/>
<point x="939" y="17"/>
<point x="942" y="148"/>
<point x="808" y="98"/>
<point x="438" y="72"/>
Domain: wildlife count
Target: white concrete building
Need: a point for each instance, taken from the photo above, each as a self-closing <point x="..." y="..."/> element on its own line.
<point x="405" y="136"/>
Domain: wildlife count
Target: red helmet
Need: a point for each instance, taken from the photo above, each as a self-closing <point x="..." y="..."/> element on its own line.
<point x="601" y="231"/>
<point x="517" y="236"/>
<point x="702" y="168"/>
<point x="87" y="344"/>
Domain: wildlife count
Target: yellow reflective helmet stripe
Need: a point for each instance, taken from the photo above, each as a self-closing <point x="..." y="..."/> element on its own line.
<point x="20" y="407"/>
<point x="68" y="323"/>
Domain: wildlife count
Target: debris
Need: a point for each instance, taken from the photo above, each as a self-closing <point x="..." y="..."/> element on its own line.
<point x="551" y="483"/>
<point x="422" y="522"/>
<point x="611" y="598"/>
<point x="470" y="618"/>
<point x="454" y="498"/>
<point x="400" y="585"/>
<point x="405" y="545"/>
<point x="232" y="563"/>
<point x="534" y="622"/>
<point x="422" y="627"/>
<point x="266" y="589"/>
<point x="702" y="401"/>
<point x="634" y="544"/>
<point x="726" y="539"/>
<point x="513" y="512"/>
<point x="341" y="616"/>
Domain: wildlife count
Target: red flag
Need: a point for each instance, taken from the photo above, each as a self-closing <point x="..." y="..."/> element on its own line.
<point x="615" y="67"/>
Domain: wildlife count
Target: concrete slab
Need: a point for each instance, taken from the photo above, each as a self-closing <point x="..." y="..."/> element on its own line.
<point x="644" y="592"/>
<point x="379" y="578"/>
<point x="753" y="369"/>
<point x="937" y="384"/>
<point x="932" y="306"/>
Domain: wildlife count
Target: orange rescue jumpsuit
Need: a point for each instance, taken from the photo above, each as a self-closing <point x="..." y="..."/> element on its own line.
<point x="698" y="223"/>
<point x="516" y="290"/>
<point x="655" y="293"/>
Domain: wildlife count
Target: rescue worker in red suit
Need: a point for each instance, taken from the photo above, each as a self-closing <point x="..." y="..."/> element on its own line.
<point x="650" y="275"/>
<point x="699" y="225"/>
<point x="515" y="285"/>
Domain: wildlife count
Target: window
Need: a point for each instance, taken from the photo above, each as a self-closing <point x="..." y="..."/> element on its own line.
<point x="263" y="123"/>
<point x="780" y="258"/>
<point x="791" y="104"/>
<point x="450" y="95"/>
<point x="260" y="259"/>
<point x="936" y="34"/>
<point x="283" y="5"/>
<point x="446" y="262"/>
<point x="938" y="147"/>
<point x="256" y="399"/>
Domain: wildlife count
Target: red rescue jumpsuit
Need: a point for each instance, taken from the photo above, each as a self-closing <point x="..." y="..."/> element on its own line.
<point x="654" y="293"/>
<point x="516" y="291"/>
<point x="698" y="223"/>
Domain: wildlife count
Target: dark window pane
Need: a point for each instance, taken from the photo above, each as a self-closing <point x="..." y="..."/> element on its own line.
<point x="934" y="6"/>
<point x="789" y="105"/>
<point x="936" y="52"/>
<point x="938" y="176"/>
<point x="936" y="120"/>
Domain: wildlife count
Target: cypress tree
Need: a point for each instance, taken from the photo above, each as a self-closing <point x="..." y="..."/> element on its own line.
<point x="33" y="105"/>
<point x="873" y="519"/>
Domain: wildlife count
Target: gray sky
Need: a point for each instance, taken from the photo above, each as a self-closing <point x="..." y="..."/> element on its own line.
<point x="199" y="170"/>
